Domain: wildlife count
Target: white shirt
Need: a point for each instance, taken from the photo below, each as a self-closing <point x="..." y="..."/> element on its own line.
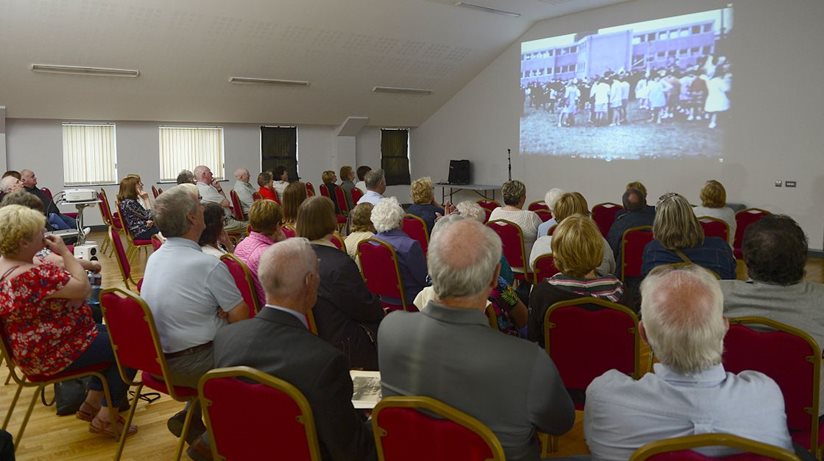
<point x="725" y="214"/>
<point x="280" y="187"/>
<point x="361" y="185"/>
<point x="370" y="197"/>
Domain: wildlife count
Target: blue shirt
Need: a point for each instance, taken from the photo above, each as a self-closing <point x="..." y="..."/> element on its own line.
<point x="545" y="226"/>
<point x="427" y="213"/>
<point x="715" y="254"/>
<point x="411" y="262"/>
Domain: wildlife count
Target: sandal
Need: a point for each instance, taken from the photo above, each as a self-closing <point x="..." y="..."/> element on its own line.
<point x="96" y="426"/>
<point x="87" y="412"/>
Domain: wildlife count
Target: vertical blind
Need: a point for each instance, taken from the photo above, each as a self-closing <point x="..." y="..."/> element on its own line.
<point x="89" y="154"/>
<point x="184" y="148"/>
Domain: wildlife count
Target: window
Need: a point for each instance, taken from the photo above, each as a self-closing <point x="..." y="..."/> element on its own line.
<point x="696" y="29"/>
<point x="395" y="156"/>
<point x="573" y="49"/>
<point x="89" y="154"/>
<point x="707" y="27"/>
<point x="184" y="148"/>
<point x="651" y="37"/>
<point x="279" y="147"/>
<point x="636" y="40"/>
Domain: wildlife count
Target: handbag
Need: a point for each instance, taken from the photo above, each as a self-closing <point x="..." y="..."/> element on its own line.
<point x="68" y="396"/>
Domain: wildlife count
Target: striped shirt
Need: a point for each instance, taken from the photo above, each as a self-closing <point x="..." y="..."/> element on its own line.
<point x="606" y="287"/>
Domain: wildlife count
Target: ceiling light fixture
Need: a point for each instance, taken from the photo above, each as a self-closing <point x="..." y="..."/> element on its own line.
<point x="84" y="70"/>
<point x="266" y="81"/>
<point x="396" y="90"/>
<point x="487" y="9"/>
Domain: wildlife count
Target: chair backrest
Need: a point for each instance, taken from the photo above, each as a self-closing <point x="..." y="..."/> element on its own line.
<point x="47" y="192"/>
<point x="340" y="196"/>
<point x="512" y="239"/>
<point x="632" y="250"/>
<point x="121" y="257"/>
<point x="157" y="242"/>
<point x="538" y="205"/>
<point x="244" y="281"/>
<point x="237" y="207"/>
<point x="337" y="241"/>
<point x="310" y="189"/>
<point x="155" y="192"/>
<point x="714" y="227"/>
<point x="588" y="336"/>
<point x="277" y="418"/>
<point x="545" y="215"/>
<point x="403" y="432"/>
<point x="488" y="206"/>
<point x="790" y="357"/>
<point x="491" y="316"/>
<point x="544" y="267"/>
<point x="324" y="190"/>
<point x="604" y="215"/>
<point x="680" y="449"/>
<point x="256" y="196"/>
<point x="380" y="270"/>
<point x="743" y="219"/>
<point x="288" y="231"/>
<point x="106" y="210"/>
<point x="356" y="195"/>
<point x="416" y="229"/>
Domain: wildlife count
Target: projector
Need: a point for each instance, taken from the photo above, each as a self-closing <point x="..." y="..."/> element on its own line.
<point x="87" y="251"/>
<point x="79" y="195"/>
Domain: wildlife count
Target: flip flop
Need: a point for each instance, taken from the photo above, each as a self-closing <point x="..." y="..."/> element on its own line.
<point x="87" y="412"/>
<point x="96" y="426"/>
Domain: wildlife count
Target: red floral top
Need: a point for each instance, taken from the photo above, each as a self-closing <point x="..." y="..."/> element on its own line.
<point x="44" y="335"/>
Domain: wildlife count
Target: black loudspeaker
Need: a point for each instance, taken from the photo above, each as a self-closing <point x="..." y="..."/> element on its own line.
<point x="459" y="172"/>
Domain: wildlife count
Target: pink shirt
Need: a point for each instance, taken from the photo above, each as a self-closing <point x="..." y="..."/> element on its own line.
<point x="249" y="251"/>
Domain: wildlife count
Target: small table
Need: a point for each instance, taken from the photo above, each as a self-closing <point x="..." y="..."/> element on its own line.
<point x="480" y="189"/>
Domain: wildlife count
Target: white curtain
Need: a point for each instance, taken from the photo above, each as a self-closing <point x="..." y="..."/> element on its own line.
<point x="89" y="154"/>
<point x="184" y="148"/>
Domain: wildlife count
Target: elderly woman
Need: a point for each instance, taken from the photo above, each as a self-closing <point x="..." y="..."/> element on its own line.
<point x="136" y="218"/>
<point x="266" y="186"/>
<point x="346" y="313"/>
<point x="714" y="205"/>
<point x="45" y="321"/>
<point x="361" y="228"/>
<point x="347" y="183"/>
<point x="294" y="194"/>
<point x="578" y="248"/>
<point x="679" y="238"/>
<point x="514" y="193"/>
<point x="387" y="216"/>
<point x="424" y="205"/>
<point x="265" y="218"/>
<point x="214" y="240"/>
<point x="569" y="204"/>
<point x="330" y="179"/>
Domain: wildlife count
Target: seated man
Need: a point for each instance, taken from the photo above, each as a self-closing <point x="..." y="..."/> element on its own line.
<point x="56" y="219"/>
<point x="636" y="213"/>
<point x="689" y="393"/>
<point x="375" y="182"/>
<point x="775" y="250"/>
<point x="244" y="190"/>
<point x="278" y="342"/>
<point x="447" y="351"/>
<point x="211" y="191"/>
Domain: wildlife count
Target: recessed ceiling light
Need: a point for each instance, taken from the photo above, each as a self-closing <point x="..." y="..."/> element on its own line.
<point x="487" y="9"/>
<point x="267" y="81"/>
<point x="84" y="70"/>
<point x="396" y="90"/>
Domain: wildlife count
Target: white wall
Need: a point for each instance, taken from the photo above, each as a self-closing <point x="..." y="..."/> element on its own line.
<point x="777" y="131"/>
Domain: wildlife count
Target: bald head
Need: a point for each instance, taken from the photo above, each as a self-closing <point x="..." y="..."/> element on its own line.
<point x="28" y="178"/>
<point x="284" y="268"/>
<point x="462" y="258"/>
<point x="634" y="200"/>
<point x="242" y="174"/>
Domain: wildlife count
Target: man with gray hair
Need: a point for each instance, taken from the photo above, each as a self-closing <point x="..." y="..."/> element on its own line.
<point x="244" y="190"/>
<point x="375" y="187"/>
<point x="211" y="191"/>
<point x="447" y="351"/>
<point x="689" y="393"/>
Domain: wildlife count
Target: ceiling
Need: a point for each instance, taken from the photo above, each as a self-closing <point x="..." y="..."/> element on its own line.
<point x="186" y="50"/>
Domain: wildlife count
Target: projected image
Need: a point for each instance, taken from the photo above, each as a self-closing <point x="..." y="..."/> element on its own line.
<point x="650" y="89"/>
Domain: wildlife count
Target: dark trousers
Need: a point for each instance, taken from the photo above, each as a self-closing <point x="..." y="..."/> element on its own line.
<point x="100" y="351"/>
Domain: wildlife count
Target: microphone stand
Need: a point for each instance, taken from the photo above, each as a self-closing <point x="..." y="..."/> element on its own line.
<point x="509" y="163"/>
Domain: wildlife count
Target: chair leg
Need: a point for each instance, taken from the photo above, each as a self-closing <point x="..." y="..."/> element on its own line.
<point x="11" y="406"/>
<point x="26" y="418"/>
<point x="186" y="424"/>
<point x="122" y="444"/>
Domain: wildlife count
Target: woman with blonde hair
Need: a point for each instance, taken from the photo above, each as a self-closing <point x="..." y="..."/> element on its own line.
<point x="293" y="196"/>
<point x="679" y="238"/>
<point x="424" y="205"/>
<point x="138" y="220"/>
<point x="361" y="227"/>
<point x="714" y="205"/>
<point x="265" y="217"/>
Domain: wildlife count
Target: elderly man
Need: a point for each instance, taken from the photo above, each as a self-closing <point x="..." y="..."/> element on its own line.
<point x="689" y="393"/>
<point x="278" y="342"/>
<point x="211" y="191"/>
<point x="775" y="250"/>
<point x="9" y="184"/>
<point x="191" y="294"/>
<point x="636" y="213"/>
<point x="375" y="187"/>
<point x="244" y="190"/>
<point x="56" y="219"/>
<point x="447" y="351"/>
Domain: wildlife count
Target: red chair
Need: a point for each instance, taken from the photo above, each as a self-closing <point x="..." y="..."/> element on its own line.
<point x="106" y="214"/>
<point x="310" y="189"/>
<point x="324" y="191"/>
<point x="680" y="449"/>
<point x="237" y="207"/>
<point x="135" y="245"/>
<point x="416" y="428"/>
<point x="544" y="267"/>
<point x="256" y="196"/>
<point x="337" y="241"/>
<point x="122" y="259"/>
<point x="136" y="345"/>
<point x="538" y="205"/>
<point x="604" y="215"/>
<point x="743" y="219"/>
<point x="356" y="195"/>
<point x="714" y="227"/>
<point x="416" y="229"/>
<point x="587" y="337"/>
<point x="488" y="206"/>
<point x="632" y="250"/>
<point x="289" y="232"/>
<point x="340" y="196"/>
<point x="792" y="359"/>
<point x="155" y="191"/>
<point x="380" y="271"/>
<point x="47" y="192"/>
<point x="157" y="242"/>
<point x="277" y="418"/>
<point x="512" y="239"/>
<point x="244" y="281"/>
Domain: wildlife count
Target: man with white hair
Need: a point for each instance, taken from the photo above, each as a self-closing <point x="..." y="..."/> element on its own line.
<point x="448" y="352"/>
<point x="689" y="393"/>
<point x="211" y="191"/>
<point x="9" y="184"/>
<point x="551" y="198"/>
<point x="375" y="187"/>
<point x="244" y="190"/>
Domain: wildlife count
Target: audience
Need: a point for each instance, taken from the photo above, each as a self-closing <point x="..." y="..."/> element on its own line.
<point x="265" y="219"/>
<point x="551" y="198"/>
<point x="55" y="218"/>
<point x="635" y="214"/>
<point x="267" y="188"/>
<point x="424" y="205"/>
<point x="346" y="313"/>
<point x="346" y="177"/>
<point x="689" y="393"/>
<point x="329" y="179"/>
<point x="470" y="209"/>
<point x="514" y="193"/>
<point x="186" y="177"/>
<point x="361" y="228"/>
<point x="361" y="184"/>
<point x="714" y="205"/>
<point x="293" y="196"/>
<point x="214" y="240"/>
<point x="387" y="216"/>
<point x="448" y="352"/>
<point x="679" y="238"/>
<point x="281" y="177"/>
<point x="138" y="220"/>
<point x="375" y="187"/>
<point x="9" y="184"/>
<point x="244" y="190"/>
<point x="211" y="191"/>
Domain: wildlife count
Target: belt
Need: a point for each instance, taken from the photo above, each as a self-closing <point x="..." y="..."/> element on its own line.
<point x="191" y="350"/>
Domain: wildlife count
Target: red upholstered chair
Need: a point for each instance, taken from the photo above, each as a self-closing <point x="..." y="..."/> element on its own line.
<point x="680" y="449"/>
<point x="714" y="227"/>
<point x="256" y="196"/>
<point x="155" y="191"/>
<point x="310" y="189"/>
<point x="792" y="359"/>
<point x="512" y="239"/>
<point x="157" y="242"/>
<point x="277" y="418"/>
<point x="380" y="271"/>
<point x="106" y="214"/>
<point x="404" y="432"/>
<point x="538" y="205"/>
<point x="122" y="259"/>
<point x="604" y="215"/>
<point x="289" y="232"/>
<point x="136" y="345"/>
<point x="743" y="219"/>
<point x="324" y="191"/>
<point x="586" y="337"/>
<point x="237" y="207"/>
<point x="632" y="250"/>
<point x="416" y="229"/>
<point x="488" y="206"/>
<point x="244" y="281"/>
<point x="356" y="195"/>
<point x="544" y="267"/>
<point x="340" y="196"/>
<point x="337" y="241"/>
<point x="40" y="382"/>
<point x="135" y="245"/>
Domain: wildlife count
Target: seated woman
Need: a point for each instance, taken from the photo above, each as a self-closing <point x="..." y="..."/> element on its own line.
<point x="346" y="313"/>
<point x="293" y="195"/>
<point x="578" y="248"/>
<point x="387" y="216"/>
<point x="267" y="188"/>
<point x="361" y="228"/>
<point x="514" y="193"/>
<point x="214" y="240"/>
<point x="424" y="205"/>
<point x="347" y="177"/>
<point x="679" y="238"/>
<point x="569" y="204"/>
<point x="45" y="320"/>
<point x="136" y="218"/>
<point x="265" y="218"/>
<point x="330" y="179"/>
<point x="714" y="205"/>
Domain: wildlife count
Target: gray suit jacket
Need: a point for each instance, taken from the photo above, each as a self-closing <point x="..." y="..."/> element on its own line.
<point x="279" y="344"/>
<point x="509" y="384"/>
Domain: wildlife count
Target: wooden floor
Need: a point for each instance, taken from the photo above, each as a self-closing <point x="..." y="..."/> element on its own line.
<point x="49" y="437"/>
